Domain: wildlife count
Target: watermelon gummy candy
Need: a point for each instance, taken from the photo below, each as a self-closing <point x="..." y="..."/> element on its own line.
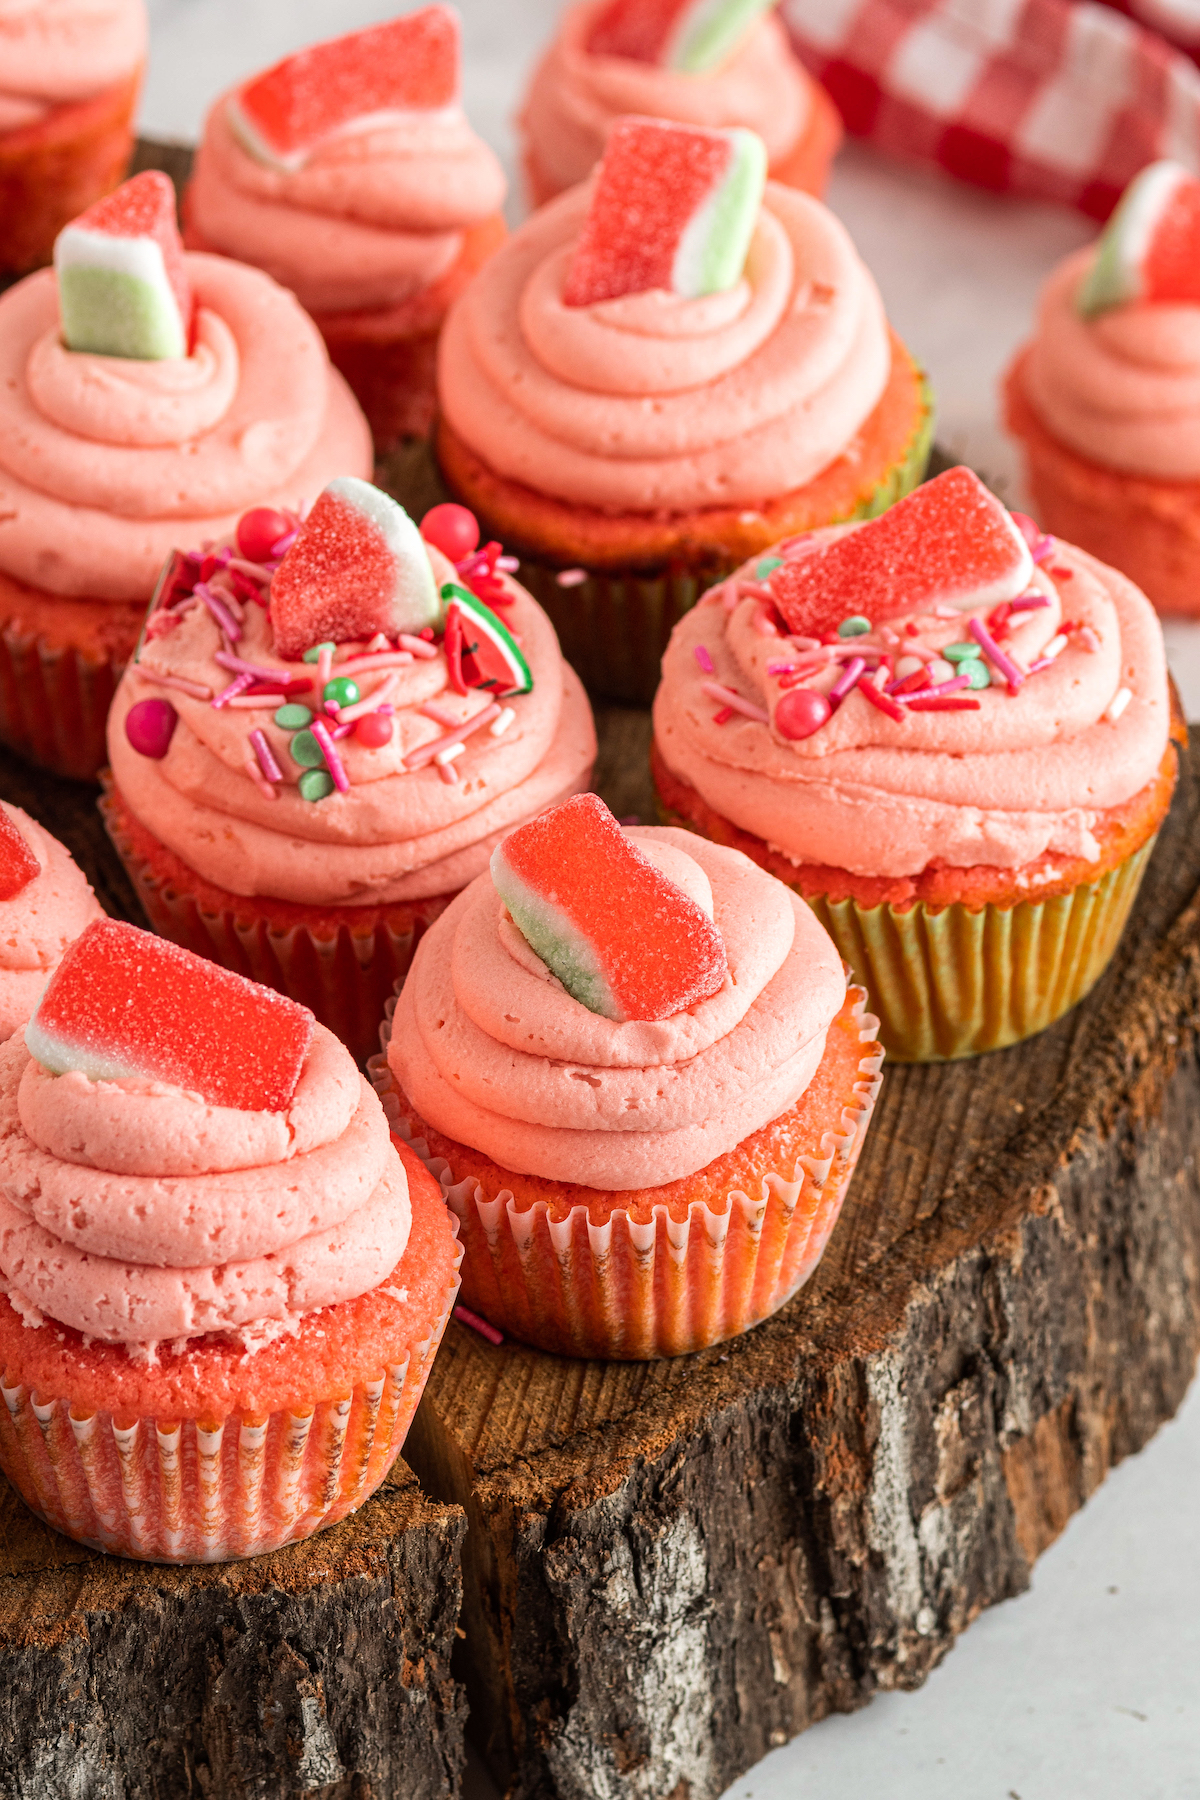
<point x="692" y="36"/>
<point x="123" y="288"/>
<point x="674" y="207"/>
<point x="481" y="647"/>
<point x="356" y="83"/>
<point x="124" y="1003"/>
<point x="625" y="941"/>
<point x="1150" y="248"/>
<point x="949" y="543"/>
<point x="358" y="567"/>
<point x="18" y="864"/>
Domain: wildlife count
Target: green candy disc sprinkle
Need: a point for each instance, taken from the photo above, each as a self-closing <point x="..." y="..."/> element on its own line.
<point x="313" y="654"/>
<point x="307" y="752"/>
<point x="853" y="627"/>
<point x="316" y="784"/>
<point x="342" y="690"/>
<point x="765" y="565"/>
<point x="958" y="653"/>
<point x="293" y="717"/>
<point x="977" y="673"/>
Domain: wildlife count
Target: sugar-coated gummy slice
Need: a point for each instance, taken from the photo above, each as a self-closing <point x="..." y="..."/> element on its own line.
<point x="349" y="84"/>
<point x="624" y="940"/>
<point x="18" y="864"/>
<point x="489" y="655"/>
<point x="358" y="566"/>
<point x="693" y="36"/>
<point x="949" y="543"/>
<point x="673" y="206"/>
<point x="123" y="287"/>
<point x="1150" y="248"/>
<point x="123" y="1003"/>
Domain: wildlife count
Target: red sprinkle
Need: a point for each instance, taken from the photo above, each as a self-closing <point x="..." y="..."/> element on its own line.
<point x="883" y="701"/>
<point x="944" y="703"/>
<point x="1061" y="574"/>
<point x="910" y="684"/>
<point x="723" y="717"/>
<point x="472" y="1320"/>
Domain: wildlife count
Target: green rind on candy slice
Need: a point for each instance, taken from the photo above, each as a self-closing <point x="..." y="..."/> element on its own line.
<point x="550" y="935"/>
<point x="713" y="246"/>
<point x="710" y="32"/>
<point x="501" y="651"/>
<point x="1116" y="275"/>
<point x="112" y="313"/>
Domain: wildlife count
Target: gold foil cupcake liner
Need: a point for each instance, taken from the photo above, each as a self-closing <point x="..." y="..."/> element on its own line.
<point x="626" y="1290"/>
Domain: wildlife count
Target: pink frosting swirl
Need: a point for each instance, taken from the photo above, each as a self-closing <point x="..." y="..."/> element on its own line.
<point x="491" y="1050"/>
<point x="653" y="401"/>
<point x="136" y="1212"/>
<point x="574" y="97"/>
<point x="107" y="462"/>
<point x="53" y="51"/>
<point x="397" y="834"/>
<point x="370" y="219"/>
<point x="1023" y="776"/>
<point x="37" y="924"/>
<point x="1122" y="388"/>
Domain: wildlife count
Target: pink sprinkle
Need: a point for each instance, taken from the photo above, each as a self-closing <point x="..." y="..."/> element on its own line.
<point x="846" y="680"/>
<point x="704" y="659"/>
<point x="776" y="668"/>
<point x="716" y="691"/>
<point x="324" y="664"/>
<point x="448" y="773"/>
<point x="425" y="755"/>
<point x="441" y="715"/>
<point x="333" y="761"/>
<point x="508" y="565"/>
<point x="256" y="702"/>
<point x="806" y="644"/>
<point x="219" y="611"/>
<point x="419" y="646"/>
<point x="1088" y="638"/>
<point x="348" y="714"/>
<point x="753" y="590"/>
<point x="386" y="659"/>
<point x="942" y="687"/>
<point x="237" y="666"/>
<point x="1029" y="602"/>
<point x="281" y="546"/>
<point x="569" y="578"/>
<point x="256" y="571"/>
<point x="473" y="1322"/>
<point x="264" y="787"/>
<point x="991" y="649"/>
<point x="237" y="686"/>
<point x="378" y="642"/>
<point x="266" y="760"/>
<point x="194" y="688"/>
<point x="764" y="624"/>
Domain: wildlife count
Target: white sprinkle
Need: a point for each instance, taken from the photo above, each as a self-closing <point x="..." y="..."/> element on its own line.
<point x="1117" y="704"/>
<point x="908" y="665"/>
<point x="448" y="754"/>
<point x="501" y="725"/>
<point x="1056" y="646"/>
<point x="940" y="670"/>
<point x="569" y="578"/>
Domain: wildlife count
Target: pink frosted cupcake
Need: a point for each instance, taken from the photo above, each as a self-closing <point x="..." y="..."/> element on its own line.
<point x="349" y="172"/>
<point x="631" y="57"/>
<point x="45" y="902"/>
<point x="224" y="1283"/>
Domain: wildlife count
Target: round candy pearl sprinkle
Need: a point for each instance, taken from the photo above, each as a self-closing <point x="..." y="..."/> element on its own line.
<point x="454" y="530"/>
<point x="306" y="751"/>
<point x="961" y="653"/>
<point x="853" y="627"/>
<point x="939" y="670"/>
<point x="342" y="690"/>
<point x="259" y="530"/>
<point x="374" y="730"/>
<point x="150" y="726"/>
<point x="293" y="716"/>
<point x="800" y="712"/>
<point x="316" y="784"/>
<point x="976" y="671"/>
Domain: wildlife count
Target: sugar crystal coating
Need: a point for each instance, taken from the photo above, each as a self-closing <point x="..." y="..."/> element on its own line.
<point x="18" y="864"/>
<point x="123" y="285"/>
<point x="694" y="36"/>
<point x="623" y="939"/>
<point x="123" y="1002"/>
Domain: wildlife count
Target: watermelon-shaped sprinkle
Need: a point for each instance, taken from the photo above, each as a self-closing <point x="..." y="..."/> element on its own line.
<point x="18" y="864"/>
<point x="693" y="36"/>
<point x="124" y="1003"/>
<point x="673" y="207"/>
<point x="949" y="543"/>
<point x="358" y="567"/>
<point x="624" y="940"/>
<point x="351" y="84"/>
<point x="123" y="288"/>
<point x="1150" y="248"/>
<point x="484" y="651"/>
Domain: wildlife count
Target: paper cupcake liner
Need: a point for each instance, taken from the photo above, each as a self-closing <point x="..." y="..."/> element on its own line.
<point x="54" y="703"/>
<point x="52" y="170"/>
<point x="344" y="973"/>
<point x="212" y="1489"/>
<point x="626" y="1291"/>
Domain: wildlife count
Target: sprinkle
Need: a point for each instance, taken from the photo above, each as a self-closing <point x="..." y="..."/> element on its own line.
<point x="256" y="571"/>
<point x="766" y="565"/>
<point x="237" y="666"/>
<point x="764" y="620"/>
<point x="944" y="703"/>
<point x="855" y="626"/>
<point x="508" y="565"/>
<point x="237" y="686"/>
<point x="997" y="619"/>
<point x="945" y="612"/>
<point x="569" y="578"/>
<point x="219" y="611"/>
<point x="472" y="1320"/>
<point x="908" y="684"/>
<point x="313" y="653"/>
<point x="1088" y="638"/>
<point x="1061" y="574"/>
<point x="428" y="753"/>
<point x="500" y="726"/>
<point x="333" y="761"/>
<point x="347" y="714"/>
<point x="846" y="680"/>
<point x="878" y="698"/>
<point x="723" y="717"/>
<point x="448" y="773"/>
<point x="253" y="702"/>
<point x="315" y="784"/>
<point x="944" y="687"/>
<point x="266" y="760"/>
<point x="196" y="689"/>
<point x="449" y="753"/>
<point x="1029" y="602"/>
<point x="959" y="653"/>
<point x="716" y="691"/>
<point x="255" y="773"/>
<point x="419" y="646"/>
<point x="775" y="668"/>
<point x="389" y="659"/>
<point x="1054" y="648"/>
<point x="441" y="715"/>
<point x="324" y="665"/>
<point x="704" y="659"/>
<point x="995" y="655"/>
<point x="293" y="718"/>
<point x="1117" y="704"/>
<point x="379" y="642"/>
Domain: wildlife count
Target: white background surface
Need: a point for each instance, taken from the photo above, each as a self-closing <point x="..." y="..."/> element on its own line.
<point x="1089" y="1685"/>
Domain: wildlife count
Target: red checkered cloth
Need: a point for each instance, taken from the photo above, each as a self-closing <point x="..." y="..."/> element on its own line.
<point x="1048" y="98"/>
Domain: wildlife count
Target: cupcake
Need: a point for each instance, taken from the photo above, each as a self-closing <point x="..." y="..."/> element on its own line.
<point x="349" y="173"/>
<point x="311" y="756"/>
<point x="147" y="398"/>
<point x="45" y="902"/>
<point x="70" y="71"/>
<point x="662" y="373"/>
<point x="1105" y="401"/>
<point x="223" y="1281"/>
<point x="634" y="1064"/>
<point x="731" y="65"/>
<point x="957" y="750"/>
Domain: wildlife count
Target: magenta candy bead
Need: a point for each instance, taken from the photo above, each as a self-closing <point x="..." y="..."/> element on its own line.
<point x="259" y="530"/>
<point x="150" y="726"/>
<point x="454" y="530"/>
<point x="801" y="712"/>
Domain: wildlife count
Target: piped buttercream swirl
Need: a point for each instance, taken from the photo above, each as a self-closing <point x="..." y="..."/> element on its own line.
<point x="38" y="923"/>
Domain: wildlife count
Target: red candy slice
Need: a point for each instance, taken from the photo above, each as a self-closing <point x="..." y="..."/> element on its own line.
<point x="368" y="78"/>
<point x="691" y="35"/>
<point x="673" y="207"/>
<point x="624" y="940"/>
<point x="122" y="280"/>
<point x="950" y="543"/>
<point x="358" y="567"/>
<point x="1150" y="248"/>
<point x="18" y="864"/>
<point x="123" y="1002"/>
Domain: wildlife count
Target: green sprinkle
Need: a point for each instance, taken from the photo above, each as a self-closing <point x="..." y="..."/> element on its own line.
<point x="765" y="566"/>
<point x="316" y="784"/>
<point x="343" y="690"/>
<point x="314" y="655"/>
<point x="854" y="627"/>
<point x="307" y="752"/>
<point x="293" y="717"/>
<point x="957" y="653"/>
<point x="980" y="675"/>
